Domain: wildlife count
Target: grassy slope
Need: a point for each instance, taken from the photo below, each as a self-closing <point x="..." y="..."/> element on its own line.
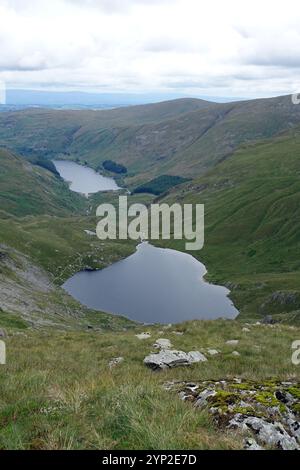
<point x="28" y="189"/>
<point x="57" y="391"/>
<point x="252" y="221"/>
<point x="183" y="137"/>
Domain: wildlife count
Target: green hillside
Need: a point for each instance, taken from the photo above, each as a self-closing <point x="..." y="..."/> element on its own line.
<point x="28" y="189"/>
<point x="253" y="224"/>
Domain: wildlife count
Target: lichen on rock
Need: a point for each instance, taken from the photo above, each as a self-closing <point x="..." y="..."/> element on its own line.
<point x="269" y="410"/>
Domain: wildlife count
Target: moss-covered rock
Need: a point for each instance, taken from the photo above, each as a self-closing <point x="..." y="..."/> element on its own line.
<point x="271" y="404"/>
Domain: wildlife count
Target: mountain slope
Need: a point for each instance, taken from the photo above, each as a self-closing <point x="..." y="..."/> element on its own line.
<point x="28" y="189"/>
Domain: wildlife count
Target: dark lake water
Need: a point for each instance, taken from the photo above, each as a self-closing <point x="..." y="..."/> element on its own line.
<point x="153" y="285"/>
<point x="83" y="179"/>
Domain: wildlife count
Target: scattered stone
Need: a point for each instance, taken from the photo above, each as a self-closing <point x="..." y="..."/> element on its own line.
<point x="90" y="233"/>
<point x="212" y="352"/>
<point x="246" y="330"/>
<point x="114" y="362"/>
<point x="178" y="333"/>
<point x="172" y="358"/>
<point x="167" y="327"/>
<point x="143" y="336"/>
<point x="232" y="342"/>
<point x="235" y="353"/>
<point x="162" y="343"/>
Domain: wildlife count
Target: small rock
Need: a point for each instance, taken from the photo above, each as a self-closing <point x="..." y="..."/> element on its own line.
<point x="2" y="334"/>
<point x="268" y="320"/>
<point x="235" y="353"/>
<point x="114" y="362"/>
<point x="212" y="352"/>
<point x="143" y="336"/>
<point x="162" y="343"/>
<point x="183" y="396"/>
<point x="237" y="380"/>
<point x="232" y="342"/>
<point x="192" y="387"/>
<point x="90" y="233"/>
<point x="178" y="333"/>
<point x="246" y="330"/>
<point x="202" y="397"/>
<point x="285" y="397"/>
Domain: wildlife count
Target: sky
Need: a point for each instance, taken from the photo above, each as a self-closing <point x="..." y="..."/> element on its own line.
<point x="232" y="48"/>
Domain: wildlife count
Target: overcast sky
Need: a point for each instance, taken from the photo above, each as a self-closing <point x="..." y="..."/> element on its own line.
<point x="234" y="48"/>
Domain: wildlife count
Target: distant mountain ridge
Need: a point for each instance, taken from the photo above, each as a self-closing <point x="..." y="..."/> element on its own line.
<point x="184" y="137"/>
<point x="88" y="99"/>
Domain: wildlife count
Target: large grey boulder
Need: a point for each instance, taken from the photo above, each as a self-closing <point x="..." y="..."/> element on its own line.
<point x="172" y="358"/>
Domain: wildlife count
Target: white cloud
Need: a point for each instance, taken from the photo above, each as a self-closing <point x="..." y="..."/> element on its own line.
<point x="230" y="48"/>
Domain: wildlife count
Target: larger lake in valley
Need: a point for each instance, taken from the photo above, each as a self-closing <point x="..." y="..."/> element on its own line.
<point x="83" y="179"/>
<point x="154" y="285"/>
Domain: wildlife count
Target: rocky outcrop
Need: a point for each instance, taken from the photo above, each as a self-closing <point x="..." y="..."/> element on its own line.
<point x="268" y="434"/>
<point x="172" y="358"/>
<point x="270" y="411"/>
<point x="280" y="301"/>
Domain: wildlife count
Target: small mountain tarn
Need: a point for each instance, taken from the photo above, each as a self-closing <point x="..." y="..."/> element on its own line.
<point x="153" y="285"/>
